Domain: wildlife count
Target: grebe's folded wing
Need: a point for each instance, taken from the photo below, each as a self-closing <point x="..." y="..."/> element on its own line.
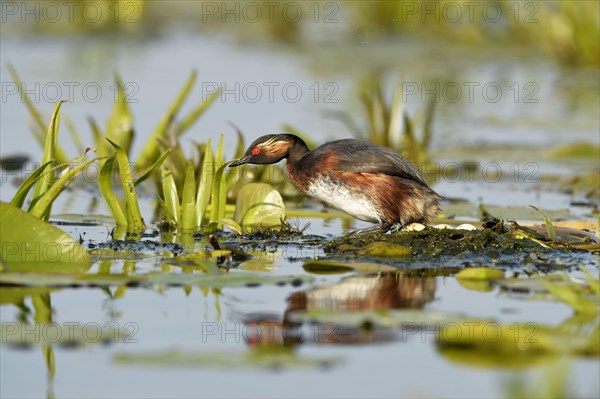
<point x="364" y="157"/>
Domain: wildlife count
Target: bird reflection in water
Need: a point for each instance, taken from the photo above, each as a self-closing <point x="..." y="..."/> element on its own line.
<point x="365" y="292"/>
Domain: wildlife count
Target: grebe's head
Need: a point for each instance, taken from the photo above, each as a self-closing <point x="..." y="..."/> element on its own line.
<point x="268" y="149"/>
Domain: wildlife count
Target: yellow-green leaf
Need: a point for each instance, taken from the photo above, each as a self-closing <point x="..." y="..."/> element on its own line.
<point x="259" y="205"/>
<point x="106" y="189"/>
<point x="385" y="249"/>
<point x="30" y="244"/>
<point x="188" y="201"/>
<point x="480" y="273"/>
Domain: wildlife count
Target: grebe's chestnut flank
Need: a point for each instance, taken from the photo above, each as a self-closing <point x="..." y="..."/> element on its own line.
<point x="368" y="181"/>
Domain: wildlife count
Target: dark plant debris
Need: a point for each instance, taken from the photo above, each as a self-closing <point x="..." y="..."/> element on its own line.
<point x="500" y="244"/>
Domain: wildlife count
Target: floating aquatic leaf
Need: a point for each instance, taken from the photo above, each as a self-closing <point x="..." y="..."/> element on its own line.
<point x="480" y="274"/>
<point x="476" y="285"/>
<point x="223" y="280"/>
<point x="266" y="358"/>
<point x="30" y="244"/>
<point x="511" y="361"/>
<point x="385" y="249"/>
<point x="259" y="205"/>
<point x="576" y="150"/>
<point x="497" y="344"/>
<point x="333" y="267"/>
<point x="326" y="267"/>
<point x="257" y="265"/>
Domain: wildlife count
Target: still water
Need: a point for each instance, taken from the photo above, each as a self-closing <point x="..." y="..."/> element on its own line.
<point x="263" y="89"/>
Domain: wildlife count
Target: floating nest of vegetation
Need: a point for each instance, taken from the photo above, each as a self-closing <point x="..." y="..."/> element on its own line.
<point x="503" y="245"/>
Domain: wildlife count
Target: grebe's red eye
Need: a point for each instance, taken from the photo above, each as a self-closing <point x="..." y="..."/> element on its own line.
<point x="255" y="151"/>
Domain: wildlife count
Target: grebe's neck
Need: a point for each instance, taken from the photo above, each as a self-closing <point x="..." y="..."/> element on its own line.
<point x="296" y="151"/>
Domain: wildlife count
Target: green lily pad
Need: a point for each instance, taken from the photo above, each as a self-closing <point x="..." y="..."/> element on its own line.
<point x="259" y="205"/>
<point x="333" y="267"/>
<point x="32" y="245"/>
<point x="577" y="151"/>
<point x="499" y="342"/>
<point x="480" y="274"/>
<point x="510" y="361"/>
<point x="476" y="285"/>
<point x="267" y="358"/>
<point x="385" y="249"/>
<point x="326" y="267"/>
<point x="150" y="279"/>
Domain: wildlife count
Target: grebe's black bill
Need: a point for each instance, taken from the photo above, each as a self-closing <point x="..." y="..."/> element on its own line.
<point x="239" y="162"/>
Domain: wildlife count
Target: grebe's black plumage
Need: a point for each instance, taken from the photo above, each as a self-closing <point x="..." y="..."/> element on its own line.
<point x="368" y="181"/>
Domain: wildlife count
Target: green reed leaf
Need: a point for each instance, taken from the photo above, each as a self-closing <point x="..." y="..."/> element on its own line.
<point x="188" y="200"/>
<point x="150" y="151"/>
<point x="170" y="195"/>
<point x="150" y="171"/>
<point x="106" y="189"/>
<point x="193" y="116"/>
<point x="216" y="212"/>
<point x="549" y="225"/>
<point x="49" y="154"/>
<point x="119" y="127"/>
<point x="218" y="199"/>
<point x="132" y="206"/>
<point x="205" y="184"/>
<point x="42" y="207"/>
<point x="21" y="194"/>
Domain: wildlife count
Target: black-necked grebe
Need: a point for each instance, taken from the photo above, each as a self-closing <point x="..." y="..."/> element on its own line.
<point x="368" y="181"/>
